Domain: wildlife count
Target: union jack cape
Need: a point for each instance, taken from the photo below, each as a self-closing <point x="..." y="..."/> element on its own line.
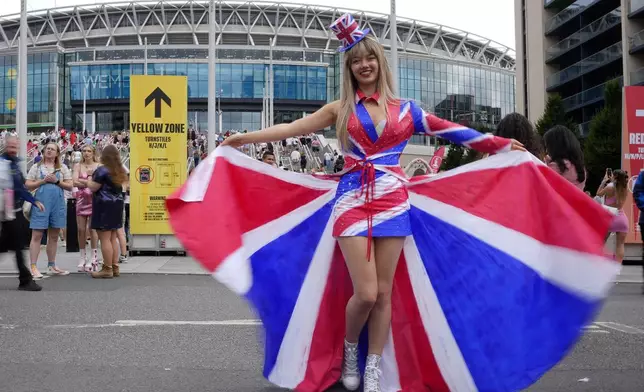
<point x="503" y="269"/>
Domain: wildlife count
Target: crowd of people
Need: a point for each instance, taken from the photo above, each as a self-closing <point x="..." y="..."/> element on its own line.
<point x="561" y="151"/>
<point x="64" y="163"/>
<point x="72" y="176"/>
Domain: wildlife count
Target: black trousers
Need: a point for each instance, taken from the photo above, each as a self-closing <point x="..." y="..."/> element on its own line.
<point x="11" y="240"/>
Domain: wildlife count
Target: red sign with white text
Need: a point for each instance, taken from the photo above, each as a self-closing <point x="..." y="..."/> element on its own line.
<point x="633" y="153"/>
<point x="437" y="159"/>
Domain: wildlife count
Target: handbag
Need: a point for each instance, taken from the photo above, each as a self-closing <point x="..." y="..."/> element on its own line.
<point x="26" y="206"/>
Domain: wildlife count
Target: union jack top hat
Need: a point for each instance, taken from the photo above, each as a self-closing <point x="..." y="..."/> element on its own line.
<point x="347" y="31"/>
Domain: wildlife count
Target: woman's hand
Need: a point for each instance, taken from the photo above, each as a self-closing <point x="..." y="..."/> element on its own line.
<point x="40" y="206"/>
<point x="51" y="178"/>
<point x="517" y="146"/>
<point x="236" y="141"/>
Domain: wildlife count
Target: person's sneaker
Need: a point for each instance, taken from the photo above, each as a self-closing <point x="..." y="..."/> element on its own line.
<point x="51" y="271"/>
<point x="35" y="273"/>
<point x="29" y="286"/>
<point x="350" y="371"/>
<point x="123" y="259"/>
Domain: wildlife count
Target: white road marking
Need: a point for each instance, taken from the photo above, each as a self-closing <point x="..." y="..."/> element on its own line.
<point x="621" y="327"/>
<point x="150" y="323"/>
<point x="165" y="322"/>
<point x="16" y="277"/>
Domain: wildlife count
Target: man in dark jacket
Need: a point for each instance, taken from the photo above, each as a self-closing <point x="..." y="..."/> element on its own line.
<point x="11" y="236"/>
<point x="638" y="195"/>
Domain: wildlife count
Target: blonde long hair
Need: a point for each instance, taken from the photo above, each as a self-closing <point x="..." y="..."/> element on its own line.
<point x="384" y="86"/>
<point x="94" y="153"/>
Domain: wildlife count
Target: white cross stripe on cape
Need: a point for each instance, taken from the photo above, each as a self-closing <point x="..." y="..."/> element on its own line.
<point x="384" y="185"/>
<point x="582" y="274"/>
<point x="293" y="357"/>
<point x="499" y="161"/>
<point x="390" y="379"/>
<point x="197" y="185"/>
<point x="448" y="355"/>
<point x="376" y="219"/>
<point x="235" y="271"/>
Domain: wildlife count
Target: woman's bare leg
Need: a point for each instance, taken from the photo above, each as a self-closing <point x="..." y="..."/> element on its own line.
<point x="34" y="245"/>
<point x="620" y="239"/>
<point x="81" y="222"/>
<point x="365" y="293"/>
<point x="105" y="236"/>
<point x="387" y="252"/>
<point x="365" y="284"/>
<point x="52" y="244"/>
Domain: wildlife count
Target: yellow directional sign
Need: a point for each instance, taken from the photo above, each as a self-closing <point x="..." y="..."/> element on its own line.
<point x="158" y="145"/>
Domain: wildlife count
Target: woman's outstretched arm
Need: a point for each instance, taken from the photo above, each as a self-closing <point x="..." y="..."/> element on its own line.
<point x="428" y="124"/>
<point x="321" y="119"/>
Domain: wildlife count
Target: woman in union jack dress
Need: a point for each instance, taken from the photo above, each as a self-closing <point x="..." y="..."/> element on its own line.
<point x="372" y="213"/>
<point x="478" y="302"/>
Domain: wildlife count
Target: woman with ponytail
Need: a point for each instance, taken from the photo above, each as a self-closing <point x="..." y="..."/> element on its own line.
<point x="614" y="190"/>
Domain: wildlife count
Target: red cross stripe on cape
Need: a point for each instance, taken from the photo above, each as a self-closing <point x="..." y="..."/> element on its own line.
<point x="502" y="271"/>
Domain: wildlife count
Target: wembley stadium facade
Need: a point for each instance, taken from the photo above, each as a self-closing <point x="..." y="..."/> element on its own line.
<point x="81" y="58"/>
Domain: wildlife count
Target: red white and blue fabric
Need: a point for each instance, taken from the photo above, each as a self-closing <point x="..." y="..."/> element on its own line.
<point x="371" y="199"/>
<point x="347" y="31"/>
<point x="503" y="268"/>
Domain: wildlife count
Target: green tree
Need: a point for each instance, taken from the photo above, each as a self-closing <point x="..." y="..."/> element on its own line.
<point x="454" y="157"/>
<point x="555" y="114"/>
<point x="602" y="146"/>
<point x="459" y="155"/>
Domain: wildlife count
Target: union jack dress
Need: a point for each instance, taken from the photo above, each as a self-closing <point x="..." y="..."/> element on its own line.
<point x="372" y="199"/>
<point x="501" y="269"/>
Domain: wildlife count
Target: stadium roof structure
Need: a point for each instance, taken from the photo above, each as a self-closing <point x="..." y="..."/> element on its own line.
<point x="246" y="24"/>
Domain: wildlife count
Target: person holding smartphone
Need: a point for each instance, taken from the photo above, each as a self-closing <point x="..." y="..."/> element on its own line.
<point x="614" y="189"/>
<point x="49" y="179"/>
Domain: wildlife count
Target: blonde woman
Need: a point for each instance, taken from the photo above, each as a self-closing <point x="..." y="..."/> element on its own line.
<point x="50" y="179"/>
<point x="82" y="173"/>
<point x="373" y="126"/>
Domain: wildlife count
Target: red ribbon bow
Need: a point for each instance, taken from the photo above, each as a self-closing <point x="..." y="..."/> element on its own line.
<point x="368" y="188"/>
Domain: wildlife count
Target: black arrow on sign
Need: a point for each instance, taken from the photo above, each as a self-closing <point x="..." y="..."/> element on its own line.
<point x="157" y="96"/>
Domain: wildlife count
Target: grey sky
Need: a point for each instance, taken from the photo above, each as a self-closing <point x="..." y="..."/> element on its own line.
<point x="492" y="19"/>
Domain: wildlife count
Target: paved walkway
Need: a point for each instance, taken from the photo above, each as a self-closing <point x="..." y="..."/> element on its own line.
<point x="185" y="265"/>
<point x="182" y="265"/>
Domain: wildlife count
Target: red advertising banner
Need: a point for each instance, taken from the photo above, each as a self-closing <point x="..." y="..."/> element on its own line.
<point x="633" y="153"/>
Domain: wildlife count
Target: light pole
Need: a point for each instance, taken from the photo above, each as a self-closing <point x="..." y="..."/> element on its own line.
<point x="219" y="112"/>
<point x="56" y="92"/>
<point x="271" y="87"/>
<point x="84" y="107"/>
<point x="393" y="37"/>
<point x="21" y="113"/>
<point x="145" y="56"/>
<point x="212" y="79"/>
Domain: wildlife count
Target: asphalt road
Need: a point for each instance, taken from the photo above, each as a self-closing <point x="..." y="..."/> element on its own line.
<point x="63" y="339"/>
